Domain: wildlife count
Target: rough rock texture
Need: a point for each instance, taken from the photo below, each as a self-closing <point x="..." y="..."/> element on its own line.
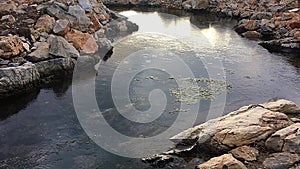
<point x="60" y="47"/>
<point x="82" y="41"/>
<point x="10" y="46"/>
<point x="282" y="139"/>
<point x="280" y="161"/>
<point x="224" y="161"/>
<point x="41" y="53"/>
<point x="19" y="79"/>
<point x="55" y="67"/>
<point x="245" y="153"/>
<point x="61" y="27"/>
<point x="242" y="127"/>
<point x="250" y="134"/>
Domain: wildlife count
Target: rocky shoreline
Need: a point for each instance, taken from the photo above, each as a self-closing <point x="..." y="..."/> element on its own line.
<point x="265" y="135"/>
<point x="275" y="23"/>
<point x="41" y="41"/>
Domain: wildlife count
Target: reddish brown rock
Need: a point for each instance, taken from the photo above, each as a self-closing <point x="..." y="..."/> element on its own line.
<point x="82" y="41"/>
<point x="10" y="46"/>
<point x="297" y="34"/>
<point x="45" y="24"/>
<point x="96" y="24"/>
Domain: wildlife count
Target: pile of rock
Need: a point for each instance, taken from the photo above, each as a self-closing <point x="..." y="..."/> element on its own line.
<point x="255" y="136"/>
<point x="44" y="39"/>
<point x="273" y="20"/>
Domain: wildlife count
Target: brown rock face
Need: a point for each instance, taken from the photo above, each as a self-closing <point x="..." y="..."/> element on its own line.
<point x="10" y="46"/>
<point x="221" y="162"/>
<point x="82" y="41"/>
<point x="245" y="153"/>
<point x="45" y="24"/>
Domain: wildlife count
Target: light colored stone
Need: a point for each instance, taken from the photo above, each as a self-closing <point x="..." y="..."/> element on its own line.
<point x="282" y="105"/>
<point x="221" y="162"/>
<point x="247" y="125"/>
<point x="245" y="153"/>
<point x="252" y="35"/>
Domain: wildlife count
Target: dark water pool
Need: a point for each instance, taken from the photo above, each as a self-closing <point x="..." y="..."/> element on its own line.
<point x="41" y="129"/>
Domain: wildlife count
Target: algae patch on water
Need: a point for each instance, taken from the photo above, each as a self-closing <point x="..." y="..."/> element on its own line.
<point x="199" y="89"/>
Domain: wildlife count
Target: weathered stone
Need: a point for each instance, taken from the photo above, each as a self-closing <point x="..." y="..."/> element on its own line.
<point x="19" y="60"/>
<point x="11" y="46"/>
<point x="245" y="153"/>
<point x="55" y="67"/>
<point x="280" y="161"/>
<point x="59" y="47"/>
<point x="242" y="127"/>
<point x="286" y="45"/>
<point x="277" y="140"/>
<point x="86" y="5"/>
<point x="7" y="6"/>
<point x="96" y="25"/>
<point x="292" y="142"/>
<point x="45" y="24"/>
<point x="221" y="162"/>
<point x="15" y="80"/>
<point x="61" y="27"/>
<point x="26" y="46"/>
<point x="79" y="13"/>
<point x="282" y="105"/>
<point x="41" y="53"/>
<point x="200" y="4"/>
<point x="82" y="41"/>
<point x="252" y="35"/>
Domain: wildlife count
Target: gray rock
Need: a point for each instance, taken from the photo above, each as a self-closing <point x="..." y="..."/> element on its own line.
<point x="86" y="5"/>
<point x="15" y="80"/>
<point x="55" y="67"/>
<point x="200" y="4"/>
<point x="292" y="142"/>
<point x="41" y="53"/>
<point x="61" y="26"/>
<point x="60" y="47"/>
<point x="277" y="140"/>
<point x="79" y="13"/>
<point x="280" y="161"/>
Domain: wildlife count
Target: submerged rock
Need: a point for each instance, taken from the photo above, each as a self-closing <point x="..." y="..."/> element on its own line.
<point x="221" y="162"/>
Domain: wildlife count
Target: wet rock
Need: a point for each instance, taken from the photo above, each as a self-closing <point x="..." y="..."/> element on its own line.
<point x="59" y="47"/>
<point x="286" y="45"/>
<point x="280" y="161"/>
<point x="41" y="53"/>
<point x="61" y="27"/>
<point x="242" y="127"/>
<point x="82" y="41"/>
<point x="277" y="140"/>
<point x="10" y="46"/>
<point x="200" y="4"/>
<point x="8" y="18"/>
<point x="245" y="153"/>
<point x="55" y="67"/>
<point x="224" y="161"/>
<point x="252" y="35"/>
<point x="86" y="5"/>
<point x="15" y="80"/>
<point x="45" y="24"/>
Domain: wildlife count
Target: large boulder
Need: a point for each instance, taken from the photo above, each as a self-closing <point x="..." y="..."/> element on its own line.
<point x="15" y="80"/>
<point x="56" y="67"/>
<point x="247" y="125"/>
